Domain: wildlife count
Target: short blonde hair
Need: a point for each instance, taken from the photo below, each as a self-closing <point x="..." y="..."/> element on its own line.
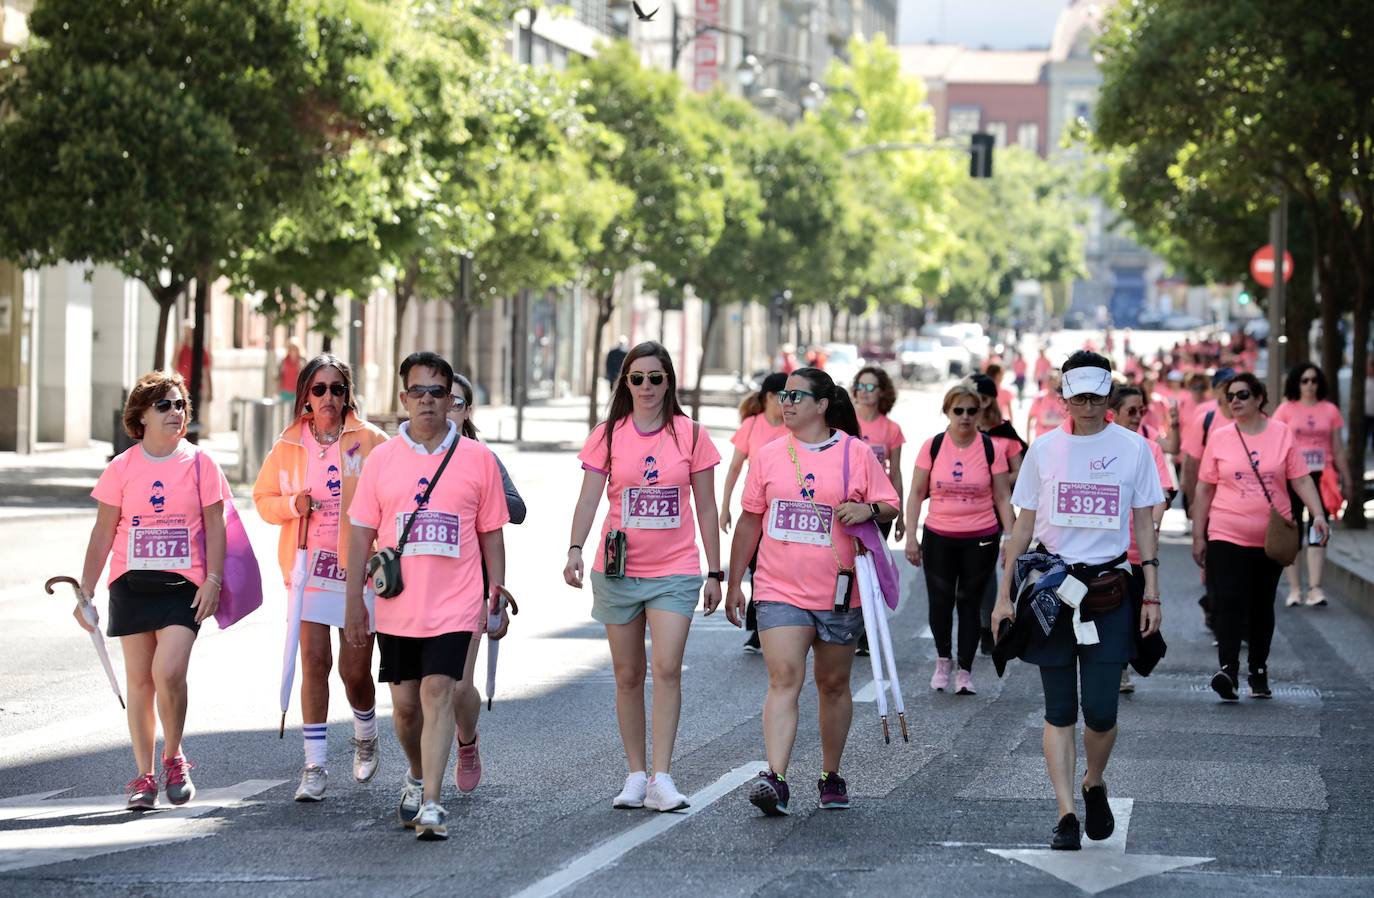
<point x="149" y="389"/>
<point x="962" y="388"/>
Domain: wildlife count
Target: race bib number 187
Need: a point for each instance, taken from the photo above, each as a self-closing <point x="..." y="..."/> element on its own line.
<point x="159" y="549"/>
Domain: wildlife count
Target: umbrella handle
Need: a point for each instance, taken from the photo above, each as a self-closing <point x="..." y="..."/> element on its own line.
<point x="81" y="598"/>
<point x="303" y="527"/>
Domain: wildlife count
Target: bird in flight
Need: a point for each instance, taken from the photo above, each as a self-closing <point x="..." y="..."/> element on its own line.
<point x="639" y="11"/>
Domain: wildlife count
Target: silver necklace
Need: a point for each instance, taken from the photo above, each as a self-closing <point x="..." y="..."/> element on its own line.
<point x="325" y="442"/>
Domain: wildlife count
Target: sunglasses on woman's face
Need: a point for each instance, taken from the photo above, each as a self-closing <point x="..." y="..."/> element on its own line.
<point x="1308" y="380"/>
<point x="1133" y="410"/>
<point x="792" y="397"/>
<point x="165" y="405"/>
<point x="1239" y="396"/>
<point x="318" y="390"/>
<point x="432" y="390"/>
<point x="636" y="378"/>
<point x="459" y="402"/>
<point x="960" y="411"/>
<point x="867" y="388"/>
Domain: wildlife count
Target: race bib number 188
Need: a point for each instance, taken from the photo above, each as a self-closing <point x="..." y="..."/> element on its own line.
<point x="434" y="533"/>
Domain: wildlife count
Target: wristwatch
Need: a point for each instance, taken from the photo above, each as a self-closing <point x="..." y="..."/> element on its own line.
<point x="873" y="507"/>
<point x="716" y="575"/>
<point x="1150" y="561"/>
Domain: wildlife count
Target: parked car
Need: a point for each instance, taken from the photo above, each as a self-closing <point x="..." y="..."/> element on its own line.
<point x="1150" y="319"/>
<point x="842" y="362"/>
<point x="975" y="341"/>
<point x="958" y="360"/>
<point x="1183" y="323"/>
<point x="922" y="359"/>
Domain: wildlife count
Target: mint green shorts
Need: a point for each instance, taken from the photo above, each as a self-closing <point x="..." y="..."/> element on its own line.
<point x="621" y="601"/>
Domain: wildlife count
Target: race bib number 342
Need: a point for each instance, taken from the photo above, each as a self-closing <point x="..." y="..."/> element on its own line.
<point x="792" y="521"/>
<point x="651" y="508"/>
<point x="434" y="533"/>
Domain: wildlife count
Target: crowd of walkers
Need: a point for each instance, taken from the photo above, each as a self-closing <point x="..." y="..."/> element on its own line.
<point x="394" y="547"/>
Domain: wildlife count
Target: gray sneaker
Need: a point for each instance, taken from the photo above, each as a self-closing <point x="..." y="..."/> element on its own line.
<point x="432" y="823"/>
<point x="364" y="758"/>
<point x="313" y="780"/>
<point x="176" y="777"/>
<point x="412" y="796"/>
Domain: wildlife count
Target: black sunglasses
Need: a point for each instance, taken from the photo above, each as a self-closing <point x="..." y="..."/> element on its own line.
<point x="1239" y="396"/>
<point x="792" y="397"/>
<point x="433" y="390"/>
<point x="636" y="378"/>
<point x="961" y="411"/>
<point x="336" y="389"/>
<point x="165" y="405"/>
<point x="867" y="388"/>
<point x="1308" y="380"/>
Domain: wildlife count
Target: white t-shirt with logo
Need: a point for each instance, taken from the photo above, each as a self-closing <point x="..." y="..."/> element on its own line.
<point x="1083" y="488"/>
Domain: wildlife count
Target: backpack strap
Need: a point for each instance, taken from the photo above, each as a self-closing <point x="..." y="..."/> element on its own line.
<point x="935" y="443"/>
<point x="1207" y="424"/>
<point x="988" y="452"/>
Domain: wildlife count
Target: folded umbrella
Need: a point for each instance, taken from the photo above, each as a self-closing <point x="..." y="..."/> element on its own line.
<point x="868" y="573"/>
<point x="300" y="571"/>
<point x="494" y="645"/>
<point x="97" y="638"/>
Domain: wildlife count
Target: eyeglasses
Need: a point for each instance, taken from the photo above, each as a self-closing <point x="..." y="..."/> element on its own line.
<point x="165" y="405"/>
<point x="318" y="390"/>
<point x="432" y="390"/>
<point x="1087" y="399"/>
<point x="636" y="378"/>
<point x="792" y="397"/>
<point x="1308" y="380"/>
<point x="960" y="411"/>
<point x="459" y="402"/>
<point x="867" y="388"/>
<point x="1239" y="396"/>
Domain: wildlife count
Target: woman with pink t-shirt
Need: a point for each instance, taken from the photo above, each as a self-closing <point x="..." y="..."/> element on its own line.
<point x="760" y="424"/>
<point x="161" y="526"/>
<point x="970" y="508"/>
<point x="818" y="478"/>
<point x="1047" y="410"/>
<point x="1316" y="423"/>
<point x="648" y="458"/>
<point x="874" y="396"/>
<point x="1244" y="470"/>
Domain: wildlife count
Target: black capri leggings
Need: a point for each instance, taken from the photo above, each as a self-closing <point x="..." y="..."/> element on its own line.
<point x="1242" y="581"/>
<point x="957" y="569"/>
<point x="1101" y="687"/>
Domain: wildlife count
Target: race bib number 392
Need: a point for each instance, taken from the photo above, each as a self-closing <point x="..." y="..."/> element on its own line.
<point x="792" y="521"/>
<point x="1096" y="506"/>
<point x="434" y="533"/>
<point x="651" y="507"/>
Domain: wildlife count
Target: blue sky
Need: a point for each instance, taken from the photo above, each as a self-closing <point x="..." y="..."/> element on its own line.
<point x="1000" y="24"/>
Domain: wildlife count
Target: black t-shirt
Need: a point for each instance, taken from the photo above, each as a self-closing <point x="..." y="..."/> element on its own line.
<point x="1006" y="431"/>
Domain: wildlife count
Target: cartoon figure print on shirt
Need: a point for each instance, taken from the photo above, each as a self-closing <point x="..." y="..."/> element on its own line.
<point x="808" y="490"/>
<point x="420" y="486"/>
<point x="157" y="499"/>
<point x="333" y="482"/>
<point x="958" y="472"/>
<point x="651" y="506"/>
<point x="650" y="470"/>
<point x="159" y="542"/>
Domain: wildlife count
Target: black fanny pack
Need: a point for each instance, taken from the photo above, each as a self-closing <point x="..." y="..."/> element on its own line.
<point x="155" y="583"/>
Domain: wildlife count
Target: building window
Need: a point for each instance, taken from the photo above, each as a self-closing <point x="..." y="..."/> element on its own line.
<point x="998" y="130"/>
<point x="1028" y="136"/>
<point x="964" y="120"/>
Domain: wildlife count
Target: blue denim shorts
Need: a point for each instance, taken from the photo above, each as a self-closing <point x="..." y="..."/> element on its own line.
<point x="836" y="628"/>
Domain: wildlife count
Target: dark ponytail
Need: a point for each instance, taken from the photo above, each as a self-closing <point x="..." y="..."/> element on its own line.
<point x="840" y="413"/>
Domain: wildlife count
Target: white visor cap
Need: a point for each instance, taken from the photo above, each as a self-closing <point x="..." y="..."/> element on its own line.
<point x="1086" y="380"/>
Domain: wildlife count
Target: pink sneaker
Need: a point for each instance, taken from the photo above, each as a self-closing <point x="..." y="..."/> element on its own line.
<point x="939" y="681"/>
<point x="963" y="683"/>
<point x="467" y="773"/>
<point x="176" y="778"/>
<point x="142" y="793"/>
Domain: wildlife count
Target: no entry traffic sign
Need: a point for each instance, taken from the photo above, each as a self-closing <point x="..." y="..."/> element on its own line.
<point x="1262" y="266"/>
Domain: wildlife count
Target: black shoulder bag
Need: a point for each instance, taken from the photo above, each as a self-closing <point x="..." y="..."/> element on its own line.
<point x="384" y="568"/>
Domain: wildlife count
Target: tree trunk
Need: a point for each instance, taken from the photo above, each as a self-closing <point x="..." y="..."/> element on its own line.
<point x="405" y="286"/>
<point x="328" y="322"/>
<point x="707" y="333"/>
<point x="1362" y="250"/>
<point x="605" y="305"/>
<point x="198" y="354"/>
<point x="834" y="308"/>
<point x="166" y="299"/>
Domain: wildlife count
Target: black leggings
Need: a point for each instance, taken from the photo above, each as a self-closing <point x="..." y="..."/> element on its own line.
<point x="1101" y="688"/>
<point x="957" y="568"/>
<point x="1301" y="516"/>
<point x="1241" y="581"/>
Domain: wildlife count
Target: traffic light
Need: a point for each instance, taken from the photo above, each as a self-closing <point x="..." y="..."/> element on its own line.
<point x="1243" y="299"/>
<point x="980" y="155"/>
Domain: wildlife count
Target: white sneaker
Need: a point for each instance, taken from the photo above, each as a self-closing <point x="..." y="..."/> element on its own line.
<point x="313" y="780"/>
<point x="662" y="795"/>
<point x="431" y="825"/>
<point x="412" y="796"/>
<point x="364" y="758"/>
<point x="632" y="796"/>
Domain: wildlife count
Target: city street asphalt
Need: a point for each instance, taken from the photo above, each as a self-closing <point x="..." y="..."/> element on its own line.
<point x="1258" y="798"/>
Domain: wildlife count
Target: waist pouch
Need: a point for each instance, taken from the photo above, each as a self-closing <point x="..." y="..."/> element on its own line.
<point x="1106" y="592"/>
<point x="155" y="583"/>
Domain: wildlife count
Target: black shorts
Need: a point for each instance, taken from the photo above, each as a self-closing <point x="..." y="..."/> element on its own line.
<point x="416" y="657"/>
<point x="148" y="601"/>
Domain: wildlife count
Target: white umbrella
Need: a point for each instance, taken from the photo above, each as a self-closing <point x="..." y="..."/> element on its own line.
<point x="300" y="571"/>
<point x="880" y="642"/>
<point x="494" y="645"/>
<point x="97" y="638"/>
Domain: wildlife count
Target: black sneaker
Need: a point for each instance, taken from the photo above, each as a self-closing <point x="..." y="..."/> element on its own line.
<point x="751" y="645"/>
<point x="985" y="641"/>
<point x="1098" y="821"/>
<point x="1259" y="684"/>
<point x="862" y="650"/>
<point x="769" y="793"/>
<point x="1224" y="685"/>
<point x="1066" y="835"/>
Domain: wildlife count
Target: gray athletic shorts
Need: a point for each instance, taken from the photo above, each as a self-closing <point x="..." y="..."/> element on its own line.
<point x="836" y="628"/>
<point x="619" y="601"/>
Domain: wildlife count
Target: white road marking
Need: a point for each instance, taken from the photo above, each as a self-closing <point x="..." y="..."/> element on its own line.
<point x="925" y="633"/>
<point x="609" y="852"/>
<point x="38" y="846"/>
<point x="867" y="693"/>
<point x="1100" y="865"/>
<point x="28" y="799"/>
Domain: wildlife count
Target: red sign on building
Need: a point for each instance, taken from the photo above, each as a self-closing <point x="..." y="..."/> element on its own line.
<point x="706" y="50"/>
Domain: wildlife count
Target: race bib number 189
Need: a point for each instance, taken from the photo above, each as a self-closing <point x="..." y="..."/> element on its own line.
<point x="792" y="521"/>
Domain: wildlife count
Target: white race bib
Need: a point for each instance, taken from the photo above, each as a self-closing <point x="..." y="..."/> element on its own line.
<point x="434" y="533"/>
<point x="1315" y="458"/>
<point x="651" y="507"/>
<point x="794" y="521"/>
<point x="1087" y="504"/>
<point x="159" y="548"/>
<point x="324" y="571"/>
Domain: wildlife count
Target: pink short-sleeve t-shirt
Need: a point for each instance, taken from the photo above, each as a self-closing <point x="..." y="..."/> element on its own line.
<point x="960" y="492"/>
<point x="1049" y="412"/>
<point x="1312" y="427"/>
<point x="160" y="513"/>
<point x="754" y="433"/>
<point x="796" y="563"/>
<point x="442" y="564"/>
<point x="1239" y="512"/>
<point x="649" y="489"/>
<point x="1166" y="483"/>
<point x="882" y="435"/>
<point x="1192" y="428"/>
